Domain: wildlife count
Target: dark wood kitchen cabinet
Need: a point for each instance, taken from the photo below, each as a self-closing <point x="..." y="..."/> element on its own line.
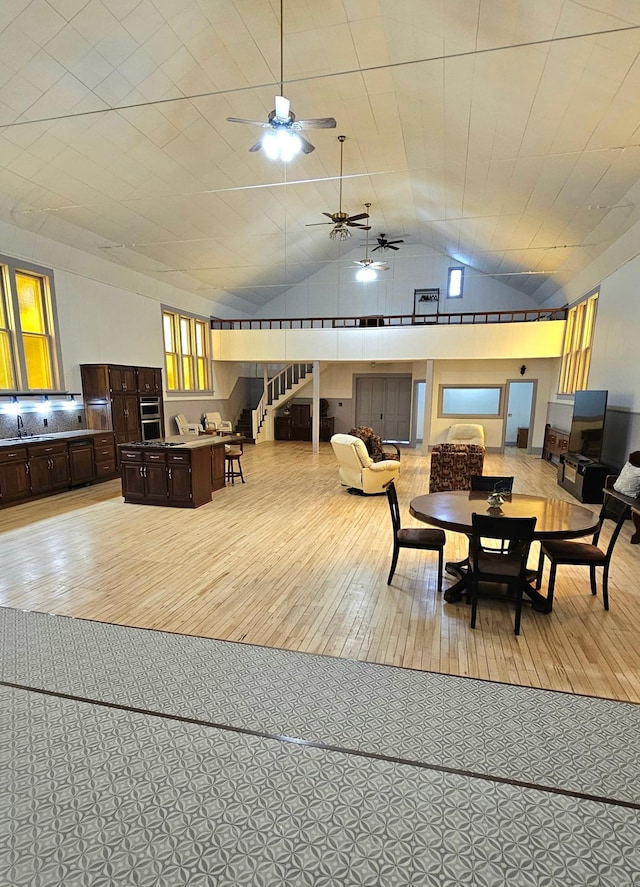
<point x="14" y="475"/>
<point x="81" y="462"/>
<point x="112" y="396"/>
<point x="33" y="468"/>
<point x="149" y="380"/>
<point x="180" y="477"/>
<point x="104" y="454"/>
<point x="217" y="468"/>
<point x="48" y="467"/>
<point x="144" y="477"/>
<point x="125" y="416"/>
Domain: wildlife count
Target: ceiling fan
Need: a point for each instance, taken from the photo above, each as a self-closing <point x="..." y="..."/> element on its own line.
<point x="383" y="243"/>
<point x="282" y="139"/>
<point x="282" y="122"/>
<point x="369" y="267"/>
<point x="342" y="221"/>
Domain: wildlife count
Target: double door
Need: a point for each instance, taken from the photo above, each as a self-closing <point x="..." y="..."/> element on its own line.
<point x="384" y="404"/>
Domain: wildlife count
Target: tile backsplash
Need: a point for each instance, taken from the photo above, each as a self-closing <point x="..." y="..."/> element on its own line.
<point x="58" y="421"/>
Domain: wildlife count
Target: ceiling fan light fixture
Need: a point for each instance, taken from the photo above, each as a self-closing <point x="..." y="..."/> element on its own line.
<point x="280" y="144"/>
<point x="366" y="274"/>
<point x="340" y="233"/>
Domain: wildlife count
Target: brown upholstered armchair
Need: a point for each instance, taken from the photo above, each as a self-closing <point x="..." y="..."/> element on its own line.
<point x="452" y="466"/>
<point x="378" y="449"/>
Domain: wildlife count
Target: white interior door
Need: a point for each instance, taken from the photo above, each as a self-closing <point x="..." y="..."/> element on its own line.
<point x="519" y="410"/>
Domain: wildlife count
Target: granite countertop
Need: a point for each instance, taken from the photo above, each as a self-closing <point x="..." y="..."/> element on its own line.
<point x="187" y="441"/>
<point x="42" y="438"/>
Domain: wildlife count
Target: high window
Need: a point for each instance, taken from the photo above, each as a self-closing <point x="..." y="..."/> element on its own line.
<point x="186" y="347"/>
<point x="576" y="351"/>
<point x="28" y="349"/>
<point x="455" y="284"/>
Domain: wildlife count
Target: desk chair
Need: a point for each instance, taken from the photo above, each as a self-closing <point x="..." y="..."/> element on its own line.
<point x="412" y="537"/>
<point x="506" y="565"/>
<point x="233" y="468"/>
<point x="586" y="554"/>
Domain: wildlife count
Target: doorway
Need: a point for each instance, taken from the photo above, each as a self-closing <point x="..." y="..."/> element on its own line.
<point x="384" y="404"/>
<point x="519" y="421"/>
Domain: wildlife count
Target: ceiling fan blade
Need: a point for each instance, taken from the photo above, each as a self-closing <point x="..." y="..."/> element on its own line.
<point x="317" y="123"/>
<point x="307" y="147"/>
<point x="376" y="247"/>
<point x="244" y="120"/>
<point x="311" y="224"/>
<point x="391" y="246"/>
<point x="391" y="242"/>
<point x="330" y="215"/>
<point x="359" y="216"/>
<point x="358" y="225"/>
<point x="256" y="147"/>
<point x="283" y="106"/>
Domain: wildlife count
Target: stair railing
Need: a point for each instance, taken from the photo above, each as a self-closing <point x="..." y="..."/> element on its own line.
<point x="277" y="387"/>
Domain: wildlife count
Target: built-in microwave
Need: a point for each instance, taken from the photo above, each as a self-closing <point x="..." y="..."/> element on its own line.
<point x="149" y="408"/>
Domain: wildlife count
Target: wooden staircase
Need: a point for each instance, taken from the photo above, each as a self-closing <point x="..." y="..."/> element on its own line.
<point x="281" y="388"/>
<point x="245" y="425"/>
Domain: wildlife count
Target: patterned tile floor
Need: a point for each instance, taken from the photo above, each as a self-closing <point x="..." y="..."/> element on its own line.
<point x="97" y="795"/>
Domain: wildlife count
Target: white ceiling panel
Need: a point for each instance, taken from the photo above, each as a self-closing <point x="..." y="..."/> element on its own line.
<point x="502" y="133"/>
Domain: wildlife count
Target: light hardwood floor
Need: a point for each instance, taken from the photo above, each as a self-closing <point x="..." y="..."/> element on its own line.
<point x="289" y="559"/>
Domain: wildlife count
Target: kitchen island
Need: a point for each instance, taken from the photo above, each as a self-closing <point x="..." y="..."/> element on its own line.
<point x="179" y="472"/>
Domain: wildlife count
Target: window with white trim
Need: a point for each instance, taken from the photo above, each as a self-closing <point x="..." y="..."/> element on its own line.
<point x="186" y="348"/>
<point x="28" y="346"/>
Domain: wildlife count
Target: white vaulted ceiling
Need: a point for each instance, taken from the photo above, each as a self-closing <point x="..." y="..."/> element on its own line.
<point x="502" y="133"/>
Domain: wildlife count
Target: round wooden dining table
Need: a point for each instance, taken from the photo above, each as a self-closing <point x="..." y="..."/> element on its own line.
<point x="452" y="510"/>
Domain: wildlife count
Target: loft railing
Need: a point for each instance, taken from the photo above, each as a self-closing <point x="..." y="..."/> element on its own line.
<point x="378" y="320"/>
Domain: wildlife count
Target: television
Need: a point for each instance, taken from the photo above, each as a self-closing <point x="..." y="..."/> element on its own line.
<point x="587" y="425"/>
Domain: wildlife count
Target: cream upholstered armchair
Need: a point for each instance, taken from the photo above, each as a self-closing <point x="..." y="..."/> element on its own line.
<point x="357" y="470"/>
<point x="185" y="427"/>
<point x="215" y="422"/>
<point x="466" y="434"/>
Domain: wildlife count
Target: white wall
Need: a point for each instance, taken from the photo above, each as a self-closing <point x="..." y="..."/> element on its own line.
<point x="493" y="372"/>
<point x="462" y="341"/>
<point x="334" y="292"/>
<point x="615" y="360"/>
<point x="105" y="312"/>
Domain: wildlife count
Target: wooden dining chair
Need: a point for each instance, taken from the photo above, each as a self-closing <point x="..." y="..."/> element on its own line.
<point x="586" y="554"/>
<point x="492" y="483"/>
<point x="506" y="565"/>
<point x="412" y="537"/>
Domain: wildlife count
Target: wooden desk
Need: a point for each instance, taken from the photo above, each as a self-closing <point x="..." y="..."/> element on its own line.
<point x="452" y="510"/>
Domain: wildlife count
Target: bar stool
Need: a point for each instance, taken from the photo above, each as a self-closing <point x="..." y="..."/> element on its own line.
<point x="232" y="454"/>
